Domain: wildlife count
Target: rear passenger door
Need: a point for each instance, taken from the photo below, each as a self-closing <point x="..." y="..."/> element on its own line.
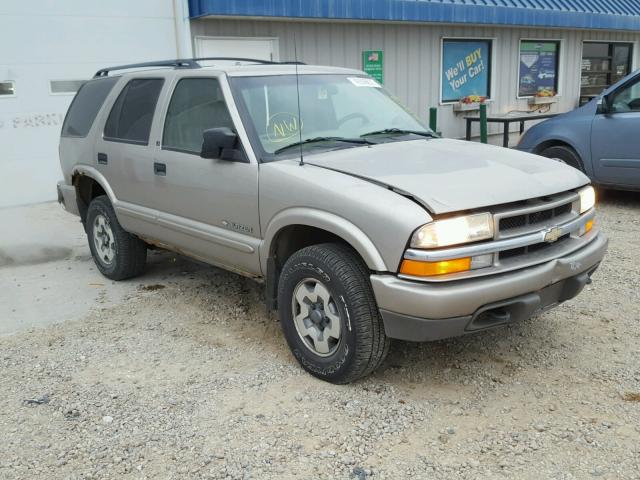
<point x="124" y="153"/>
<point x="208" y="206"/>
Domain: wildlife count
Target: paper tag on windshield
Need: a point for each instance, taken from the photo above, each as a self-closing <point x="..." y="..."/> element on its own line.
<point x="364" y="82"/>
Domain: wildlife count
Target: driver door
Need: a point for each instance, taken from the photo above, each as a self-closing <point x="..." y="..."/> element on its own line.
<point x="614" y="147"/>
<point x="207" y="207"/>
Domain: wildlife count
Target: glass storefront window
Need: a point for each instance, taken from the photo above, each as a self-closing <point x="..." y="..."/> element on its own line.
<point x="538" y="68"/>
<point x="466" y="69"/>
<point x="603" y="64"/>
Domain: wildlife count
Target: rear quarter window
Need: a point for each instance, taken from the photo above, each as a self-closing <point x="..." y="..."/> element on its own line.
<point x="85" y="106"/>
<point x="132" y="113"/>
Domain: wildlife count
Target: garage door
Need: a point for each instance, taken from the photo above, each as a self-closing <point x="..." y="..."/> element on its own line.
<point x="258" y="48"/>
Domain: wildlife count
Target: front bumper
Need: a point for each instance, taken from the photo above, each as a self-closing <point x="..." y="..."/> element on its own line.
<point x="422" y="311"/>
<point x="67" y="197"/>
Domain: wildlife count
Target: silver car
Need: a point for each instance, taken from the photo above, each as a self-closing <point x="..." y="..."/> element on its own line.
<point x="363" y="225"/>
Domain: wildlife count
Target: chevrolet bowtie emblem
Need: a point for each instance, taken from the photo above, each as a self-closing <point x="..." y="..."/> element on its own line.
<point x="552" y="235"/>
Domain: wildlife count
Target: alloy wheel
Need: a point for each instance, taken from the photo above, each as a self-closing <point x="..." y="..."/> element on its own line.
<point x="316" y="317"/>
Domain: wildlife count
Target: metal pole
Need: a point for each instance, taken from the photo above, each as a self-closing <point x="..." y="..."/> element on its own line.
<point x="483" y="123"/>
<point x="433" y="119"/>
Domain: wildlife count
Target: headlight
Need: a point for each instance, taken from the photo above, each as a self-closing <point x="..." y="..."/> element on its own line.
<point x="587" y="199"/>
<point x="452" y="231"/>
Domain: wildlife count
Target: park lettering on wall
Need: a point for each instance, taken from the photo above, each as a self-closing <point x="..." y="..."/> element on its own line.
<point x="372" y="64"/>
<point x="466" y="69"/>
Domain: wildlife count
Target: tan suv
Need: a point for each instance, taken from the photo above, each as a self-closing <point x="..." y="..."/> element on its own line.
<point x="363" y="225"/>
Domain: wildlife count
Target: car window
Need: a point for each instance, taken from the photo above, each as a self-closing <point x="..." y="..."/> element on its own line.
<point x="85" y="107"/>
<point x="132" y="113"/>
<point x="197" y="104"/>
<point x="627" y="98"/>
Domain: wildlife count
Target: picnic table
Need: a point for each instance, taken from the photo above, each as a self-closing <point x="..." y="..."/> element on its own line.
<point x="506" y="120"/>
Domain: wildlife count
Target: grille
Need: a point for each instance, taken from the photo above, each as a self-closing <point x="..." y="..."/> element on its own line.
<point x="533" y="219"/>
<point x="537" y="247"/>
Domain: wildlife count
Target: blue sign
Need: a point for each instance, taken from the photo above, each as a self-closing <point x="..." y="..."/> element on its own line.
<point x="466" y="67"/>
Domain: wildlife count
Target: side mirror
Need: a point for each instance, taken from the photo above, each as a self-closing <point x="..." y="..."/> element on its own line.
<point x="222" y="143"/>
<point x="603" y="105"/>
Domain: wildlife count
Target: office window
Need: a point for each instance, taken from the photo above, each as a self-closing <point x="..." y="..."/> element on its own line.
<point x="85" y="106"/>
<point x="196" y="105"/>
<point x="538" y="68"/>
<point x="466" y="69"/>
<point x="603" y="64"/>
<point x="132" y="113"/>
<point x="7" y="88"/>
<point x="65" y="86"/>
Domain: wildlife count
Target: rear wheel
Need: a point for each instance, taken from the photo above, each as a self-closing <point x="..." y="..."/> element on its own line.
<point x="329" y="314"/>
<point x="117" y="254"/>
<point x="565" y="155"/>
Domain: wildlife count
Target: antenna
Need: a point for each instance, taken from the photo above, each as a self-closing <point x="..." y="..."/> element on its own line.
<point x="295" y="54"/>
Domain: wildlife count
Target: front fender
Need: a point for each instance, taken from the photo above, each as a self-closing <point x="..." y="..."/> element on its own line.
<point x="573" y="129"/>
<point x="326" y="221"/>
<point x="582" y="148"/>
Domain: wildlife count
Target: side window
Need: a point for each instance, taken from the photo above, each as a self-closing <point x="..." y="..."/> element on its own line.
<point x="132" y="113"/>
<point x="85" y="107"/>
<point x="627" y="99"/>
<point x="197" y="104"/>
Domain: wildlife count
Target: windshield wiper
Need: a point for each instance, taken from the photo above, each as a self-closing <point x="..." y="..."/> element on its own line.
<point x="400" y="131"/>
<point x="358" y="141"/>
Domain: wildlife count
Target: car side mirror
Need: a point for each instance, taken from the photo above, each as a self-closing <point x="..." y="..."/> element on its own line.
<point x="603" y="105"/>
<point x="222" y="143"/>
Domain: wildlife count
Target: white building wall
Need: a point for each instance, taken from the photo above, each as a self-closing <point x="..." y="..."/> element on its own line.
<point x="43" y="40"/>
<point x="412" y="57"/>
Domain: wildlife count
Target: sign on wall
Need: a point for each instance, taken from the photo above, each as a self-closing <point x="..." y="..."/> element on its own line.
<point x="538" y="68"/>
<point x="466" y="69"/>
<point x="372" y="64"/>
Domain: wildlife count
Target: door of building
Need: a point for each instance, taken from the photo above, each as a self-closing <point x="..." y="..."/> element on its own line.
<point x="603" y="64"/>
<point x="238" y="47"/>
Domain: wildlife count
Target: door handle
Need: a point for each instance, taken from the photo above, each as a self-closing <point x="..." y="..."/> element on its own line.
<point x="102" y="158"/>
<point x="160" y="169"/>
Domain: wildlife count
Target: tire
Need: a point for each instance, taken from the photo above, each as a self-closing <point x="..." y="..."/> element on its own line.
<point x="565" y="155"/>
<point x="331" y="283"/>
<point x="117" y="254"/>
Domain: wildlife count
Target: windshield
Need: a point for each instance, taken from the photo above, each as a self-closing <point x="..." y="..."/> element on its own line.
<point x="336" y="112"/>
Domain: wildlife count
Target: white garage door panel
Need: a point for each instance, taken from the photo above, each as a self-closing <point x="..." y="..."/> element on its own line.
<point x="258" y="48"/>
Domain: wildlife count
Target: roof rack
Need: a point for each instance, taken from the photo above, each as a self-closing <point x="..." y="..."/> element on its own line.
<point x="187" y="63"/>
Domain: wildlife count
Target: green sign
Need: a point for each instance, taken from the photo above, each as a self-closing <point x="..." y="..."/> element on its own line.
<point x="372" y="64"/>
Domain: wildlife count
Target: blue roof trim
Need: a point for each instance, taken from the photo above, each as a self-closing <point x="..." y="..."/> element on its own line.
<point x="591" y="14"/>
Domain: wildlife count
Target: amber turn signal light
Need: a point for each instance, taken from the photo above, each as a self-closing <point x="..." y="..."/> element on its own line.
<point x="430" y="269"/>
<point x="588" y="226"/>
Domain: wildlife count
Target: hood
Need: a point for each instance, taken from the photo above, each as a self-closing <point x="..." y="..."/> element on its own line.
<point x="453" y="175"/>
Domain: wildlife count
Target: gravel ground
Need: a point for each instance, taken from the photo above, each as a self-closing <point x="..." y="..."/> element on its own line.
<point x="190" y="378"/>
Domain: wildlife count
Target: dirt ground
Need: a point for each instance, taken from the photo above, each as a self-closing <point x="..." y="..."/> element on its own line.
<point x="182" y="374"/>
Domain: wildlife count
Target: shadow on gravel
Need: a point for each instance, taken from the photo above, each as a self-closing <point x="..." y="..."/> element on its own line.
<point x="492" y="347"/>
<point x="501" y="351"/>
<point x="619" y="198"/>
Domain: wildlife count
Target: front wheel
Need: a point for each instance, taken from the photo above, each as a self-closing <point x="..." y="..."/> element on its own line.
<point x="329" y="314"/>
<point x="565" y="155"/>
<point x="117" y="254"/>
